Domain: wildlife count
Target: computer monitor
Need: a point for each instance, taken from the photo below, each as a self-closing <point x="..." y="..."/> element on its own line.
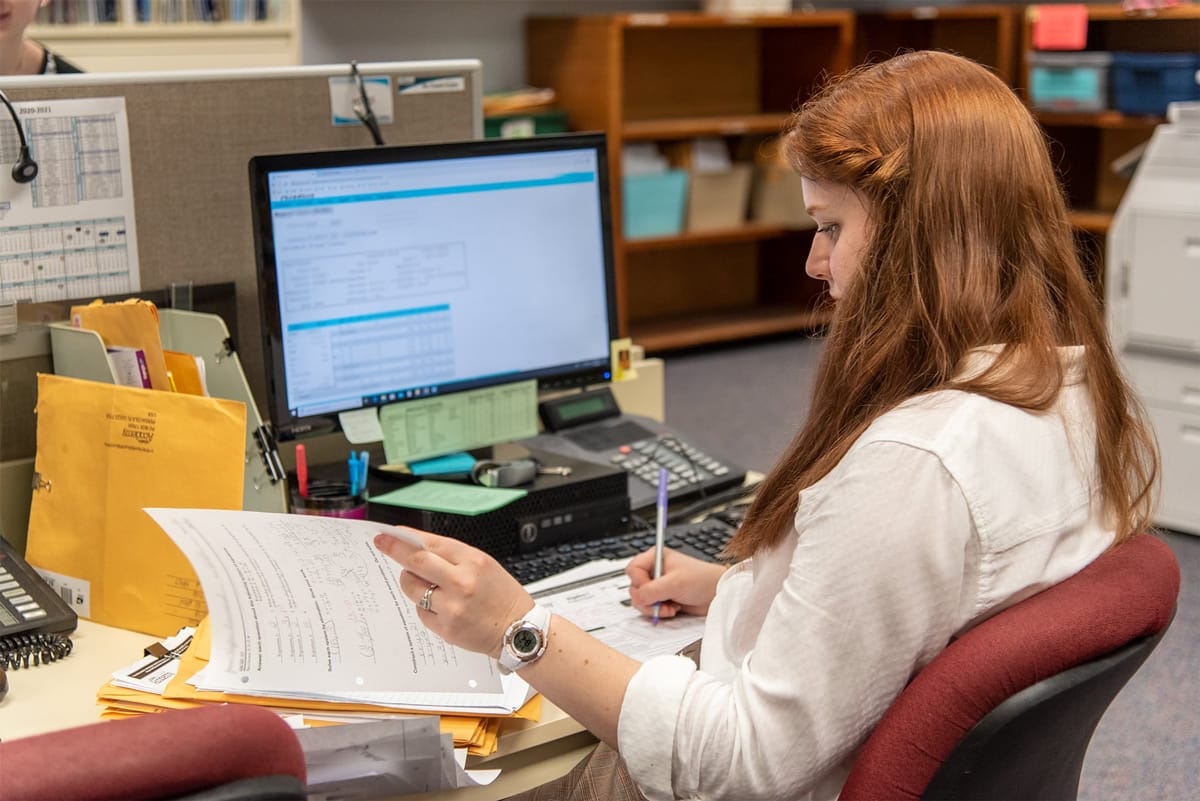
<point x="406" y="272"/>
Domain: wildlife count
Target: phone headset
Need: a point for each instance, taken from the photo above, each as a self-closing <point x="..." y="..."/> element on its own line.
<point x="26" y="169"/>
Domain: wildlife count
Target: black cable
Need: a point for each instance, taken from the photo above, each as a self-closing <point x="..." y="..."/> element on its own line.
<point x="26" y="169"/>
<point x="726" y="497"/>
<point x="362" y="106"/>
<point x="664" y="442"/>
<point x="30" y="649"/>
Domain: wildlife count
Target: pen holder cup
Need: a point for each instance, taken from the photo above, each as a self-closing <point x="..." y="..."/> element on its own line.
<point x="330" y="499"/>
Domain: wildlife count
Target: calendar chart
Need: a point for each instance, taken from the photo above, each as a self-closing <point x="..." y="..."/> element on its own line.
<point x="61" y="261"/>
<point x="70" y="233"/>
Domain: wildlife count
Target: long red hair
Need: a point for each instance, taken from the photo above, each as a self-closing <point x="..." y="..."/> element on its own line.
<point x="970" y="245"/>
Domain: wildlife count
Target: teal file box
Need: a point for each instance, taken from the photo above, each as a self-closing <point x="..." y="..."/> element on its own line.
<point x="654" y="204"/>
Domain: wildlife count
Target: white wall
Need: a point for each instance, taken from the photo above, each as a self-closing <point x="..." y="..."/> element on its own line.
<point x="335" y="31"/>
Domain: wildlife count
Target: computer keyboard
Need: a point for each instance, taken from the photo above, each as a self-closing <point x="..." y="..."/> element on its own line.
<point x="703" y="540"/>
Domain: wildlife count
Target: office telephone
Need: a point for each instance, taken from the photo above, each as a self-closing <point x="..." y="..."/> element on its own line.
<point x="590" y="426"/>
<point x="34" y="620"/>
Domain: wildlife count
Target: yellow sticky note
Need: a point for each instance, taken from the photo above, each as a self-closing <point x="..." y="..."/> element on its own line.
<point x="622" y="359"/>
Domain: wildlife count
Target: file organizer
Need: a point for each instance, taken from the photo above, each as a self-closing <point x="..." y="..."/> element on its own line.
<point x="80" y="353"/>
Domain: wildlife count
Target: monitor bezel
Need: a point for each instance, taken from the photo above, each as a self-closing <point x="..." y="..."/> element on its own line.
<point x="289" y="426"/>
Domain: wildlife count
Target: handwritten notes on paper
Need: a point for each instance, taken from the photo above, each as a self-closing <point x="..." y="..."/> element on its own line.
<point x="306" y="607"/>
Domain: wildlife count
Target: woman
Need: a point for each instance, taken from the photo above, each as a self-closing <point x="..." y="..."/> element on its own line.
<point x="21" y="56"/>
<point x="970" y="442"/>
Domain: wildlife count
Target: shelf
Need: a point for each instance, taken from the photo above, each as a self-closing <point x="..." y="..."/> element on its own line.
<point x="692" y="19"/>
<point x="158" y="31"/>
<point x="1116" y="13"/>
<point x="635" y="76"/>
<point x="1084" y="145"/>
<point x="746" y="233"/>
<point x="689" y="127"/>
<point x="1109" y="120"/>
<point x="984" y="33"/>
<point x="1094" y="222"/>
<point x="686" y="331"/>
<point x="150" y="46"/>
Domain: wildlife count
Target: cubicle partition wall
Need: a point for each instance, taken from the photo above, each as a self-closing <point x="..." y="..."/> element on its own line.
<point x="191" y="136"/>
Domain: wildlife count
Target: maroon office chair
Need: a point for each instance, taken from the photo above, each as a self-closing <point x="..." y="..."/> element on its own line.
<point x="1006" y="712"/>
<point x="231" y="752"/>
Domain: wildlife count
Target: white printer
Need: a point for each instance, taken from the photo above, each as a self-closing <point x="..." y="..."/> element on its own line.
<point x="1153" y="303"/>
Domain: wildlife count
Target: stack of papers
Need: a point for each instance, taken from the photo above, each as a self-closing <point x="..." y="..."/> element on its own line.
<point x="305" y="608"/>
<point x="155" y="683"/>
<point x="306" y="617"/>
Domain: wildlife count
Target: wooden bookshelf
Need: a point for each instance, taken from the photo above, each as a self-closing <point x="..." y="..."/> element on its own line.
<point x="1085" y="144"/>
<point x="131" y="46"/>
<point x="669" y="78"/>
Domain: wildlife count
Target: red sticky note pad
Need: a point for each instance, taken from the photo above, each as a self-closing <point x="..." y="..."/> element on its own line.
<point x="1060" y="27"/>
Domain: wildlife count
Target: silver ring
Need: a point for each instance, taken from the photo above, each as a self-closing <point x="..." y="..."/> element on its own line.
<point x="427" y="598"/>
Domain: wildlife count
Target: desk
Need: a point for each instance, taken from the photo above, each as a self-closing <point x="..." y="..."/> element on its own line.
<point x="63" y="694"/>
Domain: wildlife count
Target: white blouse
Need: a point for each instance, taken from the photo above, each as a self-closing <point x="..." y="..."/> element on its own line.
<point x="946" y="510"/>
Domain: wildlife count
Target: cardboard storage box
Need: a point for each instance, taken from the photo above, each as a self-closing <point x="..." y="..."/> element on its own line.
<point x="777" y="197"/>
<point x="718" y="200"/>
<point x="653" y="204"/>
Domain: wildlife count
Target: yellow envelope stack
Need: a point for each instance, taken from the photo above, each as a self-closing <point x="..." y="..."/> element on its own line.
<point x="479" y="734"/>
<point x="104" y="452"/>
<point x="129" y="324"/>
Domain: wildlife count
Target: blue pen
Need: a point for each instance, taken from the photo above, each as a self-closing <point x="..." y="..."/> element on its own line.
<point x="352" y="463"/>
<point x="660" y="528"/>
<point x="364" y="459"/>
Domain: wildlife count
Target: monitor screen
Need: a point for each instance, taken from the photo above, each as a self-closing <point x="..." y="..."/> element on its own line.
<point x="393" y="273"/>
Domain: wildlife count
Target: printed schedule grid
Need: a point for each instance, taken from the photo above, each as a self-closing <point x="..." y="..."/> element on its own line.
<point x="65" y="260"/>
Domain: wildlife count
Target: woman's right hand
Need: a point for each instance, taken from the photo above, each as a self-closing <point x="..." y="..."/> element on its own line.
<point x="686" y="585"/>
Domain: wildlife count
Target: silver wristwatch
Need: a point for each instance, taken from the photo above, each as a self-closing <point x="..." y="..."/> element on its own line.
<point x="525" y="640"/>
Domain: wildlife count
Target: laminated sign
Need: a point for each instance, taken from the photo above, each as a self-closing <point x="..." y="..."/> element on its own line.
<point x="104" y="453"/>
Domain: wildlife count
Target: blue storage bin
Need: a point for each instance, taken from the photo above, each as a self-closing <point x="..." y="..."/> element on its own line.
<point x="1075" y="81"/>
<point x="654" y="203"/>
<point x="1144" y="83"/>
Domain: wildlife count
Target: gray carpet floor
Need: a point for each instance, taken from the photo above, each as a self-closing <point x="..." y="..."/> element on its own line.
<point x="746" y="402"/>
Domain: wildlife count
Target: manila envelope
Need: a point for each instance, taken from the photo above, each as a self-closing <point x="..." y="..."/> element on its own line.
<point x="104" y="452"/>
<point x="128" y="324"/>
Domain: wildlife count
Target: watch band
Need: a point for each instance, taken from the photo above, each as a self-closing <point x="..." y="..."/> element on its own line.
<point x="525" y="640"/>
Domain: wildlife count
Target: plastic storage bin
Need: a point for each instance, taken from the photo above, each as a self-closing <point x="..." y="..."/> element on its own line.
<point x="654" y="203"/>
<point x="1144" y="83"/>
<point x="1069" y="81"/>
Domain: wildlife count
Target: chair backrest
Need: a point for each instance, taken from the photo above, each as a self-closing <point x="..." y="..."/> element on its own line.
<point x="233" y="751"/>
<point x="1007" y="710"/>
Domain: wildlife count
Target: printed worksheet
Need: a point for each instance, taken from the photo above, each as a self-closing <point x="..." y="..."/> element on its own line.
<point x="70" y="232"/>
<point x="304" y="606"/>
<point x="599" y="604"/>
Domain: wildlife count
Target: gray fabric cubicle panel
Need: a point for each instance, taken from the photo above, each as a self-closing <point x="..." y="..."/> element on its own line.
<point x="192" y="134"/>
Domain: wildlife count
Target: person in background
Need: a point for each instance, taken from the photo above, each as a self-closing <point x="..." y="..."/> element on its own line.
<point x="971" y="441"/>
<point x="22" y="56"/>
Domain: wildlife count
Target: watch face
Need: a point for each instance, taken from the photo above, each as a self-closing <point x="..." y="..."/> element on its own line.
<point x="526" y="642"/>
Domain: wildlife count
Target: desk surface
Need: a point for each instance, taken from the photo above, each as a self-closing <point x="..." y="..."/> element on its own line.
<point x="63" y="694"/>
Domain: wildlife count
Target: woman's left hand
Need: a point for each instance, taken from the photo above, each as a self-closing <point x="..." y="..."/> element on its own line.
<point x="475" y="600"/>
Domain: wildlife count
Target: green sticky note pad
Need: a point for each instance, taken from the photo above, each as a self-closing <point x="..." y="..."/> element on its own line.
<point x="444" y="496"/>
